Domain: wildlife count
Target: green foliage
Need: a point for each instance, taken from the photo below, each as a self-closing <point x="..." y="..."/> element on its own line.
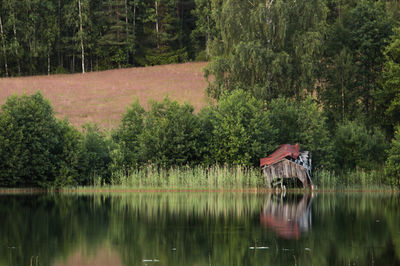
<point x="39" y="36"/>
<point x="354" y="60"/>
<point x="205" y="28"/>
<point x="389" y="97"/>
<point x="95" y="159"/>
<point x="303" y="123"/>
<point x="339" y="97"/>
<point x="35" y="148"/>
<point x="70" y="143"/>
<point x="239" y="130"/>
<point x="392" y="167"/>
<point x="166" y="135"/>
<point x="359" y="147"/>
<point x="126" y="155"/>
<point x="170" y="134"/>
<point x="269" y="48"/>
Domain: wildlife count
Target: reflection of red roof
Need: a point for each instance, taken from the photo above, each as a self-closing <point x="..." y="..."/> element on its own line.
<point x="285" y="150"/>
<point x="285" y="229"/>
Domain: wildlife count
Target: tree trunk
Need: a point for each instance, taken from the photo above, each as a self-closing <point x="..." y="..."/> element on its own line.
<point x="134" y="20"/>
<point x="157" y="26"/>
<point x="81" y="36"/>
<point x="73" y="63"/>
<point x="48" y="61"/>
<point x="127" y="31"/>
<point x="208" y="36"/>
<point x="4" y="46"/>
<point x="342" y="100"/>
<point x="16" y="47"/>
<point x="59" y="35"/>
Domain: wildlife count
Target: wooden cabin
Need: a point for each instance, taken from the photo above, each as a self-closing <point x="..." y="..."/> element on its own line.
<point x="289" y="162"/>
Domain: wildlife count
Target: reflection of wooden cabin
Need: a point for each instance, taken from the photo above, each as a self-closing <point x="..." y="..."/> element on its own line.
<point x="287" y="217"/>
<point x="287" y="162"/>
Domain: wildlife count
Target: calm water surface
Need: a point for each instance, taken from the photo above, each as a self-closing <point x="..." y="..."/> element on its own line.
<point x="200" y="229"/>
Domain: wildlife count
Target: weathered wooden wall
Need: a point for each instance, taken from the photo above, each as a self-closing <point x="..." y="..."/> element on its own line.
<point x="286" y="169"/>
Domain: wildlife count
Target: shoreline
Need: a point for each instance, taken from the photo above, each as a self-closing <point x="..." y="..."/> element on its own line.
<point x="94" y="190"/>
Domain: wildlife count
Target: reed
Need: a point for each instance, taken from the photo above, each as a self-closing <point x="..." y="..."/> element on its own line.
<point x="225" y="177"/>
<point x="354" y="179"/>
<point x="207" y="177"/>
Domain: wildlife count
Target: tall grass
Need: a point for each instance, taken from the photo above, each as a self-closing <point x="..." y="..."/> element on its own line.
<point x="233" y="177"/>
<point x="354" y="179"/>
<point x="212" y="177"/>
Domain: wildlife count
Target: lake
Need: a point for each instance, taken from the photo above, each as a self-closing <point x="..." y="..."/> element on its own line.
<point x="200" y="228"/>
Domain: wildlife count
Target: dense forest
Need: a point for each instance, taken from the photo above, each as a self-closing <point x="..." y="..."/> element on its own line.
<point x="54" y="36"/>
<point x="323" y="73"/>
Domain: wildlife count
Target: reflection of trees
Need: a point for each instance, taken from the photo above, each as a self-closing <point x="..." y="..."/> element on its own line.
<point x="287" y="215"/>
<point x="204" y="228"/>
<point x="40" y="228"/>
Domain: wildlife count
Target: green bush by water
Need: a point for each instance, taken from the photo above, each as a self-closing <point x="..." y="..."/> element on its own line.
<point x="169" y="146"/>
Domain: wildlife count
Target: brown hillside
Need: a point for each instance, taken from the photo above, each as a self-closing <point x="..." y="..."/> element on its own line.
<point x="101" y="97"/>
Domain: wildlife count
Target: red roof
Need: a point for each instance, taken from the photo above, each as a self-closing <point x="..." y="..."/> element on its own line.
<point x="285" y="150"/>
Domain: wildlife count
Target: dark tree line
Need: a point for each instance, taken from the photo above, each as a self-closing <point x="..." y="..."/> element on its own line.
<point x="54" y="36"/>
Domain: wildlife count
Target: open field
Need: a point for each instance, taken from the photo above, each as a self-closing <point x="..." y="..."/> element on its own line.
<point x="101" y="97"/>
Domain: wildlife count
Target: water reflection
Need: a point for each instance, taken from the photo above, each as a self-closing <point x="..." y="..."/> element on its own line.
<point x="287" y="215"/>
<point x="199" y="229"/>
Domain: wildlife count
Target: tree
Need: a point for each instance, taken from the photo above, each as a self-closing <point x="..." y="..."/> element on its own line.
<point x="47" y="30"/>
<point x="170" y="134"/>
<point x="362" y="32"/>
<point x="115" y="38"/>
<point x="4" y="49"/>
<point x="388" y="97"/>
<point x="392" y="166"/>
<point x="241" y="132"/>
<point x="126" y="155"/>
<point x="10" y="7"/>
<point x="94" y="160"/>
<point x="339" y="97"/>
<point x="269" y="47"/>
<point x="358" y="146"/>
<point x="304" y="123"/>
<point x="35" y="148"/>
<point x="205" y="25"/>
<point x="77" y="18"/>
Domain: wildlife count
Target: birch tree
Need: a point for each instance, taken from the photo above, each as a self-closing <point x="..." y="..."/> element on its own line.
<point x="269" y="47"/>
<point x="3" y="42"/>
<point x="78" y="19"/>
<point x="10" y="7"/>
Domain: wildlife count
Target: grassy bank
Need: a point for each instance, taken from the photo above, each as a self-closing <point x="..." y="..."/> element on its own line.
<point x="230" y="178"/>
<point x="218" y="178"/>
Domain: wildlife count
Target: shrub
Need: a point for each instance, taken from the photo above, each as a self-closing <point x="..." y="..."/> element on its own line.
<point x="95" y="159"/>
<point x="392" y="166"/>
<point x="356" y="146"/>
<point x="126" y="153"/>
<point x="303" y="123"/>
<point x="35" y="148"/>
<point x="170" y="134"/>
<point x="241" y="132"/>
